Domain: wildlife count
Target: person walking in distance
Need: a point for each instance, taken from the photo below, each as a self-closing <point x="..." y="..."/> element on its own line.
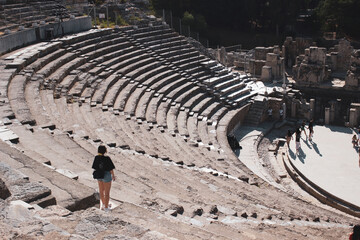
<point x="288" y="138"/>
<point x="303" y="127"/>
<point x="269" y="114"/>
<point x="105" y="165"/>
<point x="297" y="140"/>
<point x="311" y="129"/>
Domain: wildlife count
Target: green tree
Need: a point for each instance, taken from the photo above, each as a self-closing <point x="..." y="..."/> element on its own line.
<point x="188" y="19"/>
<point x="340" y="16"/>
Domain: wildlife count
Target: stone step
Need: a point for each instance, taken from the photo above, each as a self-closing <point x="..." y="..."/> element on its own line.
<point x="68" y="193"/>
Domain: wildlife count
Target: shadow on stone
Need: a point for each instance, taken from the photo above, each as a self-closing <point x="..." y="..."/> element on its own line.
<point x="302" y="155"/>
<point x="316" y="149"/>
<point x="292" y="154"/>
<point x="4" y="191"/>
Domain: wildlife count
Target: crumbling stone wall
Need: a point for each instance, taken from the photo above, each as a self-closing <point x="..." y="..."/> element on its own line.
<point x="291" y="49"/>
<point x="311" y="69"/>
<point x="275" y="104"/>
<point x="274" y="63"/>
<point x="340" y="56"/>
<point x="256" y="64"/>
<point x="353" y="74"/>
<point x="267" y="63"/>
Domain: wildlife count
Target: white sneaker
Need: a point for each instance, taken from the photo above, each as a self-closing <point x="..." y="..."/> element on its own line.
<point x="107" y="210"/>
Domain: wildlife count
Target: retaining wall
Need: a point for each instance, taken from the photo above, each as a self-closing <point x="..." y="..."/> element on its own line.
<point x="36" y="34"/>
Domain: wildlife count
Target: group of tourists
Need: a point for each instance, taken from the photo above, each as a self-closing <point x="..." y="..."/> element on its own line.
<point x="298" y="132"/>
<point x="270" y="114"/>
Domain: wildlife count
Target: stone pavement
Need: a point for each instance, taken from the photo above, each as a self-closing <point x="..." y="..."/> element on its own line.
<point x="330" y="161"/>
<point x="249" y="138"/>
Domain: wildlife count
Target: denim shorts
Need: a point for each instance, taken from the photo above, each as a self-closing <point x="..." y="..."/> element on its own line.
<point x="107" y="177"/>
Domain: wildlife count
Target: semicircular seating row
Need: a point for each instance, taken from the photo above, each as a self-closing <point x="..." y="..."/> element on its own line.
<point x="139" y="88"/>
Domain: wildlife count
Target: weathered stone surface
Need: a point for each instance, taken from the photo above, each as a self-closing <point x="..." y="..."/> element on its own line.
<point x="352" y="79"/>
<point x="310" y="69"/>
<point x="67" y="173"/>
<point x="54" y="211"/>
<point x="22" y="204"/>
<point x="4" y="191"/>
<point x="11" y="176"/>
<point x="227" y="211"/>
<point x="178" y="209"/>
<point x="29" y="192"/>
<point x="244" y="178"/>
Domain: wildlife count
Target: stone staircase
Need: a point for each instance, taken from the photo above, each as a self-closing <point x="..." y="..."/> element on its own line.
<point x="256" y="112"/>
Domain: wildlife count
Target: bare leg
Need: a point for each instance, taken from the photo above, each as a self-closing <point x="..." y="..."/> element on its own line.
<point x="305" y="133"/>
<point x="107" y="187"/>
<point x="101" y="193"/>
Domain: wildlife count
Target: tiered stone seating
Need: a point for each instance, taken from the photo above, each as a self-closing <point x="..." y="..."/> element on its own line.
<point x="26" y="13"/>
<point x="39" y="184"/>
<point x="67" y="74"/>
<point x="164" y="123"/>
<point x="125" y="78"/>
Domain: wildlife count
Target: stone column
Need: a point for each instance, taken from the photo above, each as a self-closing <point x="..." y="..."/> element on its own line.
<point x="352" y="118"/>
<point x="327" y="116"/>
<point x="332" y="111"/>
<point x="293" y="109"/>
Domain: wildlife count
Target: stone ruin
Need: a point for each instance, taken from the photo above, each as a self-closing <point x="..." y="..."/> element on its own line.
<point x="310" y="69"/>
<point x="268" y="63"/>
<point x="353" y="74"/>
<point x="293" y="48"/>
<point x="339" y="56"/>
<point x="336" y="69"/>
<point x="319" y="65"/>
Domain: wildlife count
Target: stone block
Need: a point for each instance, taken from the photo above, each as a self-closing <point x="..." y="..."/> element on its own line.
<point x="8" y="135"/>
<point x="227" y="211"/>
<point x="266" y="73"/>
<point x="67" y="173"/>
<point x="22" y="204"/>
<point x="29" y="192"/>
<point x="352" y="118"/>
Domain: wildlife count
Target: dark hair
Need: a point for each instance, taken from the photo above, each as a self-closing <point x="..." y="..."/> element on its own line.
<point x="102" y="149"/>
<point x="356" y="232"/>
<point x="289" y="133"/>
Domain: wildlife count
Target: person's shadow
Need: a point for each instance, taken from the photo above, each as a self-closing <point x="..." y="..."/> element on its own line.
<point x="292" y="154"/>
<point x="301" y="155"/>
<point x="356" y="149"/>
<point x="316" y="149"/>
<point x="307" y="143"/>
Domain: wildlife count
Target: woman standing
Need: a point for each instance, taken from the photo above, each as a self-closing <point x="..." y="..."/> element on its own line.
<point x="356" y="233"/>
<point x="104" y="163"/>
